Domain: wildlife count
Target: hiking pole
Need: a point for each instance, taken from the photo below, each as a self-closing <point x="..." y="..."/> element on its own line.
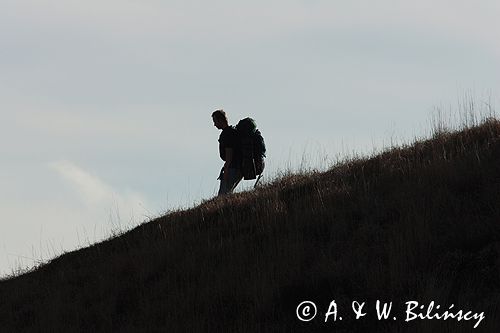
<point x="257" y="181"/>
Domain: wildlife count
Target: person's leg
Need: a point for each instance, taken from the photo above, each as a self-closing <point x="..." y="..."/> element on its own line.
<point x="228" y="185"/>
<point x="222" y="187"/>
<point x="235" y="177"/>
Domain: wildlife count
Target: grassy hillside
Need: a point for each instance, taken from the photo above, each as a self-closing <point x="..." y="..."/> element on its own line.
<point x="419" y="223"/>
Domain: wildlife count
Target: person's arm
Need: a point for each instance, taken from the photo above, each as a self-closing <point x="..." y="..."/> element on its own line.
<point x="229" y="158"/>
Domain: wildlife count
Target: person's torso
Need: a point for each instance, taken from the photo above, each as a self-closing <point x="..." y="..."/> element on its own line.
<point x="229" y="139"/>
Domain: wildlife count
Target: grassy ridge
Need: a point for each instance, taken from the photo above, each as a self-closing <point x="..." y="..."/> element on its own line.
<point x="420" y="222"/>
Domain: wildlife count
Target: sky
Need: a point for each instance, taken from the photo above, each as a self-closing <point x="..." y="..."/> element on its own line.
<point x="105" y="105"/>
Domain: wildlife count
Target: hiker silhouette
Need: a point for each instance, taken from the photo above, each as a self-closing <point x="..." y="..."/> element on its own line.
<point x="229" y="152"/>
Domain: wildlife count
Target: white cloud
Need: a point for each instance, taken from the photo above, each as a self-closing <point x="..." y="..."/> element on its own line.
<point x="96" y="194"/>
<point x="90" y="188"/>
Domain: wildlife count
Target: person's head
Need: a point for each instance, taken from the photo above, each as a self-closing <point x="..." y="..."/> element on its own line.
<point x="220" y="119"/>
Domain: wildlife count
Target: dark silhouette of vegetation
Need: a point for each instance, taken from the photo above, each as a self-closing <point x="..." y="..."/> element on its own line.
<point x="418" y="222"/>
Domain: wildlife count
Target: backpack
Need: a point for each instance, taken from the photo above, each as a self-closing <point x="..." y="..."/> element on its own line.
<point x="252" y="148"/>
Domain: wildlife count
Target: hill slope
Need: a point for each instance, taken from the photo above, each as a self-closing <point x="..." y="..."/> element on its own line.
<point x="415" y="223"/>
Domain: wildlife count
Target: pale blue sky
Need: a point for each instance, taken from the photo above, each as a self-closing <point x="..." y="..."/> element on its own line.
<point x="105" y="105"/>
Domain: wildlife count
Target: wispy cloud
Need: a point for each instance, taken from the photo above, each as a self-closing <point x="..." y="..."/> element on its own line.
<point x="96" y="194"/>
<point x="90" y="188"/>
